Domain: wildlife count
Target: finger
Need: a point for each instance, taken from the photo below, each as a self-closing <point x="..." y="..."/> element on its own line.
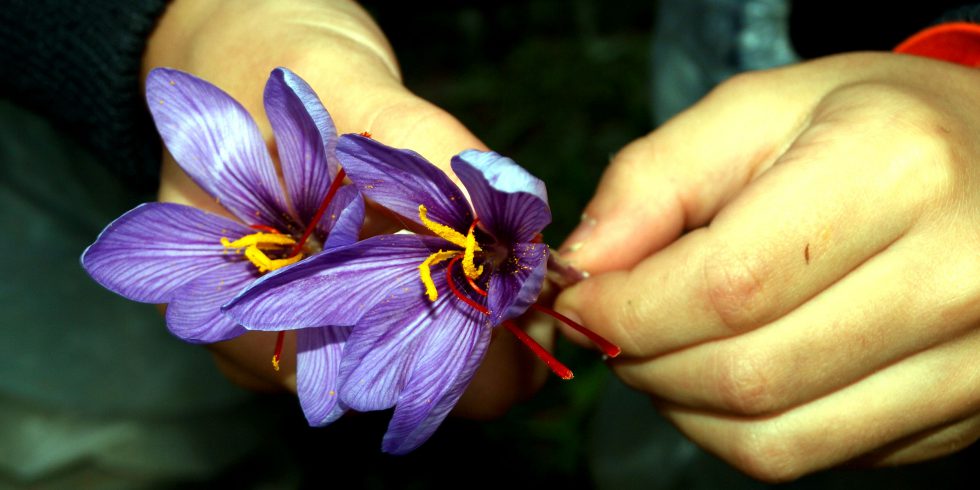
<point x="923" y="391"/>
<point x="677" y="177"/>
<point x="797" y="229"/>
<point x="900" y="302"/>
<point x="929" y="444"/>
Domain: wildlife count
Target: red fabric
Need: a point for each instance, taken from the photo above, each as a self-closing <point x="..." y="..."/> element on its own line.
<point x="957" y="42"/>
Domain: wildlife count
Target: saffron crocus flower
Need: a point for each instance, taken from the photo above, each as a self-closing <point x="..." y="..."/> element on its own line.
<point x="196" y="261"/>
<point x="421" y="306"/>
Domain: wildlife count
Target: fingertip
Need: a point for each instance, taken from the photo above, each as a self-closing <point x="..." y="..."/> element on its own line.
<point x="568" y="303"/>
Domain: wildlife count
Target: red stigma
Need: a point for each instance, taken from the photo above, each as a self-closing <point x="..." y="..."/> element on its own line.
<point x="608" y="348"/>
<point x="457" y="292"/>
<point x="555" y="365"/>
<point x="334" y="186"/>
<point x="365" y="134"/>
<point x="267" y="229"/>
<point x="278" y="352"/>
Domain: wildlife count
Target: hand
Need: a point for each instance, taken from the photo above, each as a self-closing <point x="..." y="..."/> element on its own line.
<point x="792" y="266"/>
<point x="336" y="47"/>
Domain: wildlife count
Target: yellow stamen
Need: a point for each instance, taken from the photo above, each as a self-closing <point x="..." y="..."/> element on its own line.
<point x="275" y="362"/>
<point x="441" y="230"/>
<point x="469" y="268"/>
<point x="426" y="275"/>
<point x="264" y="263"/>
<point x="259" y="240"/>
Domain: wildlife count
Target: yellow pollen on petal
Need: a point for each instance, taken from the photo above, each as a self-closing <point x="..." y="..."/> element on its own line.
<point x="264" y="263"/>
<point x="426" y="275"/>
<point x="441" y="230"/>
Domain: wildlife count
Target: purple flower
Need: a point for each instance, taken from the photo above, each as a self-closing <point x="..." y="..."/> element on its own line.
<point x="196" y="261"/>
<point x="420" y="306"/>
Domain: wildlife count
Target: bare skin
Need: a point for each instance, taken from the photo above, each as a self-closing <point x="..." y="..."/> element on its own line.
<point x="336" y="47"/>
<point x="792" y="266"/>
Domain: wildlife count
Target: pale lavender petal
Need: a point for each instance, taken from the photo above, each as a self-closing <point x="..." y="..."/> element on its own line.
<point x="451" y="355"/>
<point x="511" y="203"/>
<point x="342" y="221"/>
<point x="400" y="180"/>
<point x="516" y="284"/>
<point x="318" y="354"/>
<point x="194" y="313"/>
<point x="217" y="143"/>
<point x="335" y="287"/>
<point x="289" y="105"/>
<point x="149" y="252"/>
<point x="406" y="330"/>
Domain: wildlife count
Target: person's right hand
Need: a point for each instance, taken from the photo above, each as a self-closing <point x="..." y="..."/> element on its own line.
<point x="792" y="266"/>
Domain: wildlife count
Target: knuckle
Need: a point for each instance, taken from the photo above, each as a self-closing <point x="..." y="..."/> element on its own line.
<point x="921" y="159"/>
<point x="744" y="383"/>
<point x="735" y="289"/>
<point x="765" y="453"/>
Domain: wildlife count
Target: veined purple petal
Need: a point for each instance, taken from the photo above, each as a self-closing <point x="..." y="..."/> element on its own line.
<point x="402" y="336"/>
<point x="333" y="288"/>
<point x="149" y="252"/>
<point x="400" y="180"/>
<point x="445" y="367"/>
<point x="194" y="313"/>
<point x="515" y="286"/>
<point x="318" y="354"/>
<point x="217" y="143"/>
<point x="290" y="105"/>
<point x="342" y="221"/>
<point x="511" y="203"/>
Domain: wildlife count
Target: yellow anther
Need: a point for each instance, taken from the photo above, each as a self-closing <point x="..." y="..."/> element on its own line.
<point x="426" y="275"/>
<point x="447" y="233"/>
<point x="264" y="263"/>
<point x="469" y="268"/>
<point x="275" y="362"/>
<point x="259" y="240"/>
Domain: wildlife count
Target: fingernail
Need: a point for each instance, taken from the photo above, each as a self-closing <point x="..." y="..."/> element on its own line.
<point x="578" y="237"/>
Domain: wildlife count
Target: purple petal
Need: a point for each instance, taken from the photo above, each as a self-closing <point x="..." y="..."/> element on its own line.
<point x="342" y="221"/>
<point x="290" y="105"/>
<point x="402" y="336"/>
<point x="335" y="287"/>
<point x="318" y="354"/>
<point x="400" y="180"/>
<point x="511" y="203"/>
<point x="149" y="252"/>
<point x="194" y="313"/>
<point x="217" y="143"/>
<point x="451" y="356"/>
<point x="516" y="284"/>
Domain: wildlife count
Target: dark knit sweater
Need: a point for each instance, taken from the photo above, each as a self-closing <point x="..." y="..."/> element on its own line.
<point x="79" y="64"/>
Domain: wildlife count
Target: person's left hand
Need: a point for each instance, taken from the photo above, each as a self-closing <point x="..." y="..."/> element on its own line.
<point x="792" y="266"/>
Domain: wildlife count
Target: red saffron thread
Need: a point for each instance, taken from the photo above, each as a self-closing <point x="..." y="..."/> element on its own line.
<point x="334" y="186"/>
<point x="556" y="366"/>
<point x="457" y="292"/>
<point x="265" y="228"/>
<point x="278" y="352"/>
<point x="608" y="348"/>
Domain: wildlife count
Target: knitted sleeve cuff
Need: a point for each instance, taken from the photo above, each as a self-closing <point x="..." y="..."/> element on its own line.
<point x="78" y="63"/>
